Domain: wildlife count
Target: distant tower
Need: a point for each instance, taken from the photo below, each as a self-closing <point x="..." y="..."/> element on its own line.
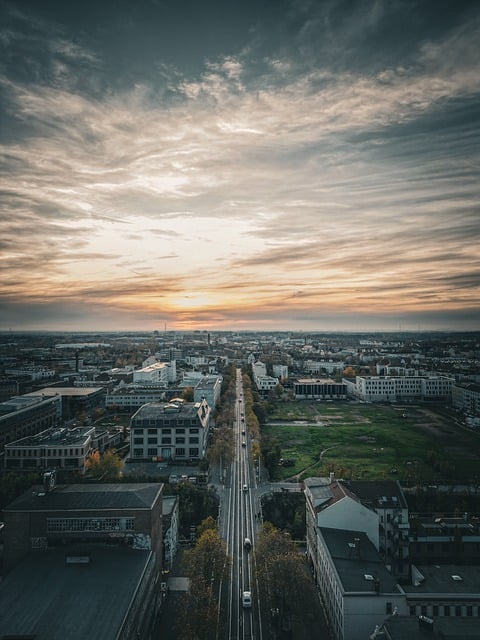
<point x="208" y="339"/>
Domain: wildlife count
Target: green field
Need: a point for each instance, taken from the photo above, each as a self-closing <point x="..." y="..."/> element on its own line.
<point x="413" y="444"/>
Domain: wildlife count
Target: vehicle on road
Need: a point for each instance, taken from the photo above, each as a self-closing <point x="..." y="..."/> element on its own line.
<point x="247" y="544"/>
<point x="247" y="599"/>
<point x="245" y="488"/>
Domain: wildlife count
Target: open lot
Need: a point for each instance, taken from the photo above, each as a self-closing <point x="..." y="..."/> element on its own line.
<point x="370" y="441"/>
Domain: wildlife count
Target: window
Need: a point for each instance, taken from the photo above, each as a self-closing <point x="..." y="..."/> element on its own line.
<point x="446" y="610"/>
<point x="167" y="440"/>
<point x="180" y="430"/>
<point x="138" y="453"/>
<point x="435" y="610"/>
<point x="152" y="451"/>
<point x="413" y="610"/>
<point x="193" y="453"/>
<point x="424" y="610"/>
<point x="164" y="431"/>
<point x="138" y="441"/>
<point x="180" y="452"/>
<point x="152" y="440"/>
<point x="388" y="607"/>
<point x="194" y="440"/>
<point x="193" y="430"/>
<point x="180" y="440"/>
<point x="469" y="610"/>
<point x="55" y="525"/>
<point x="458" y="611"/>
<point x="154" y="431"/>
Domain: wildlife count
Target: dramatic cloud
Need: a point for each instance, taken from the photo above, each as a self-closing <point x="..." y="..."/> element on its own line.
<point x="320" y="163"/>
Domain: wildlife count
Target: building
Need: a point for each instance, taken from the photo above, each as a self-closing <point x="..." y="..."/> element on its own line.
<point x="387" y="500"/>
<point x="25" y="416"/>
<point x="208" y="388"/>
<point x="443" y="539"/>
<point x="52" y="449"/>
<point x="65" y="548"/>
<point x="466" y="397"/>
<point x="159" y="374"/>
<point x="133" y="396"/>
<point x="400" y="388"/>
<point x="319" y="388"/>
<point x="74" y="400"/>
<point x="175" y="430"/>
<point x="355" y="587"/>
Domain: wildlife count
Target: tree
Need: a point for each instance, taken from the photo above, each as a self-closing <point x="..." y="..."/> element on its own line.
<point x="205" y="565"/>
<point x="284" y="581"/>
<point x="107" y="466"/>
<point x="187" y="394"/>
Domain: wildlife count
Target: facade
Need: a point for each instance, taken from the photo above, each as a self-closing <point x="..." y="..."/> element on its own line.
<point x="175" y="430"/>
<point x="26" y="416"/>
<point x="65" y="548"/>
<point x="319" y="388"/>
<point x="131" y="397"/>
<point x="401" y="388"/>
<point x="159" y="373"/>
<point x="54" y="448"/>
<point x="74" y="400"/>
<point x="441" y="539"/>
<point x="387" y="500"/>
<point x="466" y="397"/>
<point x="330" y="366"/>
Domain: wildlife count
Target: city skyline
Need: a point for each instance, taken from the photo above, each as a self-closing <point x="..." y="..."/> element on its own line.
<point x="279" y="165"/>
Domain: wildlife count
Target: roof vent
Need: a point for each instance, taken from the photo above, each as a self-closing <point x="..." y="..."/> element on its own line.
<point x="457" y="578"/>
<point x="368" y="577"/>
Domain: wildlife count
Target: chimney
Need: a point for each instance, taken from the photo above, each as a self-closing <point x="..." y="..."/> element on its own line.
<point x="332" y="476"/>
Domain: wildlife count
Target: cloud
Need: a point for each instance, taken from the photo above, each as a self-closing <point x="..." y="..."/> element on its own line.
<point x="256" y="178"/>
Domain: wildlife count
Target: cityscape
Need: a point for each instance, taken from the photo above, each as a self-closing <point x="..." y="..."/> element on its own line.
<point x="359" y="452"/>
<point x="239" y="320"/>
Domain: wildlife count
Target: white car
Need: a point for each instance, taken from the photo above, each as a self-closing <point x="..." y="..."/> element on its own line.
<point x="247" y="599"/>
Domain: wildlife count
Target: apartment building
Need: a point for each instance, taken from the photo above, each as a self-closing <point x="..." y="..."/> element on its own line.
<point x="176" y="430"/>
<point x="466" y="397"/>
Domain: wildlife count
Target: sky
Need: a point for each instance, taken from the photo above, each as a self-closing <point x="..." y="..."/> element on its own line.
<point x="301" y="165"/>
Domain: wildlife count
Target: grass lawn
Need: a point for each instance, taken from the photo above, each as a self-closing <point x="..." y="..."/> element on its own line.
<point x="373" y="442"/>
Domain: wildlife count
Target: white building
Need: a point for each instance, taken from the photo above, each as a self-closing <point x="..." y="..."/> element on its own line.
<point x="159" y="373"/>
<point x="280" y="371"/>
<point x="400" y="388"/>
<point x="319" y="388"/>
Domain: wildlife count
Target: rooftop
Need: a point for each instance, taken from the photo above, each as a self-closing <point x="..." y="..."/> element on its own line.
<point x="357" y="562"/>
<point x="74" y="497"/>
<point x="92" y="599"/>
<point x="452" y="579"/>
<point x="66" y="391"/>
<point x="55" y="438"/>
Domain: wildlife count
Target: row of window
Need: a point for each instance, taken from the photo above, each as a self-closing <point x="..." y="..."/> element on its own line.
<point x="73" y="525"/>
<point x="165" y="431"/>
<point x="445" y="610"/>
<point x="164" y="422"/>
<point x="167" y="440"/>
<point x="180" y="452"/>
<point x="48" y="453"/>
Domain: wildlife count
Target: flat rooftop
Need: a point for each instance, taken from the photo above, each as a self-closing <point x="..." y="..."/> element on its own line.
<point x="56" y="438"/>
<point x="91" y="598"/>
<point x="440" y="579"/>
<point x="357" y="562"/>
<point x="74" y="497"/>
<point x="66" y="391"/>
